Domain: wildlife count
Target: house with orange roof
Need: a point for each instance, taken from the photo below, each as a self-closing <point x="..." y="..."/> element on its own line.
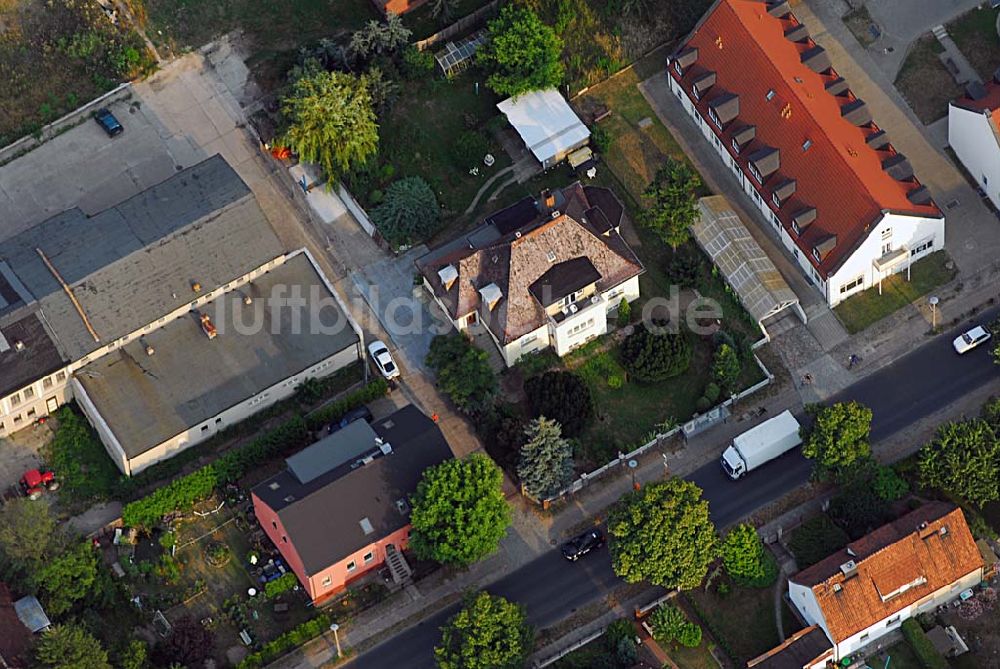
<point x="914" y="564"/>
<point x="541" y="273"/>
<point x="804" y="148"/>
<point x="974" y="134"/>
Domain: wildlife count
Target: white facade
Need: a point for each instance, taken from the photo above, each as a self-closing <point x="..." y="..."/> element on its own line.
<point x="805" y="601"/>
<point x="573" y="331"/>
<point x="40" y="398"/>
<point x="918" y="235"/>
<point x="976" y="141"/>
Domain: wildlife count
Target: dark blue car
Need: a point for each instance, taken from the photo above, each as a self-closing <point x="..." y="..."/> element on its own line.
<point x="108" y="122"/>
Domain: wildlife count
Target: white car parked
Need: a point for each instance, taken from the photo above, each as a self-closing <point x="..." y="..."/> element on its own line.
<point x="971" y="339"/>
<point x="383" y="359"/>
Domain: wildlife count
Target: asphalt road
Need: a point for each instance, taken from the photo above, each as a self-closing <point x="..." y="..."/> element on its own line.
<point x="922" y="381"/>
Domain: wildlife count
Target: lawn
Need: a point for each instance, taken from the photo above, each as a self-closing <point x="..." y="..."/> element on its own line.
<point x="693" y="658"/>
<point x="925" y="82"/>
<point x="868" y="307"/>
<point x="742" y="621"/>
<point x="859" y="22"/>
<point x="975" y="33"/>
<point x="55" y="57"/>
<point x="899" y="655"/>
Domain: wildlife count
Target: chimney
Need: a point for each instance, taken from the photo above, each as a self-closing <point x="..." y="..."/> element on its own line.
<point x="925" y="531"/>
<point x="18" y="345"/>
<point x="849" y="569"/>
<point x="196" y="286"/>
<point x="548" y="199"/>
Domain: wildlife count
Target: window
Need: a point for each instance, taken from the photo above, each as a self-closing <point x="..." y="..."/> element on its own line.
<point x="754" y="172"/>
<point x="568" y="300"/>
<point x="774" y="219"/>
<point x="986" y="182"/>
<point x="352" y="565"/>
<point x="327" y="582"/>
<point x="886" y="248"/>
<point x="677" y="68"/>
<point x="796" y="229"/>
<point x="369" y="557"/>
<point x="770" y="95"/>
<point x="864" y="638"/>
<point x="776" y="200"/>
<point x="284" y="539"/>
<point x="851" y="285"/>
<point x="274" y="524"/>
<point x="677" y="91"/>
<point x="892" y="621"/>
<point x="204" y="428"/>
<point x="576" y="329"/>
<point x="887" y="234"/>
<point x="714" y="117"/>
<point x="17" y="419"/>
<point x="31" y="413"/>
<point x="718" y="144"/>
<point x="15" y="399"/>
<point x="218" y="421"/>
<point x="695" y="93"/>
<point x="922" y="247"/>
<point x="736" y="145"/>
<point x="817" y="256"/>
<point x="47" y="382"/>
<point x="528" y="340"/>
<point x="60" y="377"/>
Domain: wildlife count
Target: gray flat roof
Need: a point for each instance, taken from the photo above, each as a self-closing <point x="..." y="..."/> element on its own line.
<point x="190" y="378"/>
<point x="132" y="263"/>
<point x="345" y="445"/>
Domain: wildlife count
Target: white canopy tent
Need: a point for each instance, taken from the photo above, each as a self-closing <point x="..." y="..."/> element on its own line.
<point x="547" y="124"/>
<point x="758" y="283"/>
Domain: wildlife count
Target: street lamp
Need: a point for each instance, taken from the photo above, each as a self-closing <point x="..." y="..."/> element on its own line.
<point x="933" y="301"/>
<point x="333" y="628"/>
<point x="632" y="464"/>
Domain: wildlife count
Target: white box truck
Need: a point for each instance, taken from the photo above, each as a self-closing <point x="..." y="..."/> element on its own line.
<point x="761" y="444"/>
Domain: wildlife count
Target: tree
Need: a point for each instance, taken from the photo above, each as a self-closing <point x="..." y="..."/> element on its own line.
<point x="624" y="313"/>
<point x="67" y="578"/>
<point x="377" y="37"/>
<point x="443" y="9"/>
<point x="502" y="430"/>
<point x="670" y="624"/>
<point x="746" y="560"/>
<point x="662" y="534"/>
<point x="858" y="509"/>
<point x="409" y="214"/>
<point x="135" y="655"/>
<point x="562" y="396"/>
<point x="383" y="90"/>
<point x="459" y="514"/>
<point x="963" y="459"/>
<point x="839" y="436"/>
<point x="189" y="644"/>
<point x="546" y="464"/>
<point x="70" y="647"/>
<point x="488" y="633"/>
<point x="653" y="357"/>
<point x="28" y="536"/>
<point x="463" y="372"/>
<point x="523" y="53"/>
<point x="672" y="205"/>
<point x="619" y="639"/>
<point x="726" y="367"/>
<point x="331" y="121"/>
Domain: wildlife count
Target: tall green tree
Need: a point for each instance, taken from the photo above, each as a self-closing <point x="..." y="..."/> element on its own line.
<point x="331" y="121"/>
<point x="463" y="372"/>
<point x="963" y="459"/>
<point x="546" y="463"/>
<point x="488" y="633"/>
<point x="839" y="436"/>
<point x="746" y="559"/>
<point x="655" y="356"/>
<point x="70" y="647"/>
<point x="662" y="534"/>
<point x="28" y="537"/>
<point x="562" y="396"/>
<point x="670" y="624"/>
<point x="410" y="213"/>
<point x="67" y="578"/>
<point x="378" y="37"/>
<point x="459" y="512"/>
<point x="135" y="655"/>
<point x="726" y="367"/>
<point x="523" y="54"/>
<point x="671" y="203"/>
<point x="443" y="9"/>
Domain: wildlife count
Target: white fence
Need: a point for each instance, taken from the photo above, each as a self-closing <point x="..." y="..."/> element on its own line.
<point x="356" y="209"/>
<point x="22" y="146"/>
<point x="587" y="477"/>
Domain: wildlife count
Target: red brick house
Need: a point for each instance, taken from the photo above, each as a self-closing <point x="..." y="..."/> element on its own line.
<point x="342" y="504"/>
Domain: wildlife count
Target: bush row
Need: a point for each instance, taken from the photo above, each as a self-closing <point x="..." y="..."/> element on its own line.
<point x="282" y="584"/>
<point x="923" y="648"/>
<point x="185" y="492"/>
<point x="293" y="638"/>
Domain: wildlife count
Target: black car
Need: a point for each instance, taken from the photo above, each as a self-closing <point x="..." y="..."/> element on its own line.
<point x="579" y="546"/>
<point x="361" y="412"/>
<point x="108" y="122"/>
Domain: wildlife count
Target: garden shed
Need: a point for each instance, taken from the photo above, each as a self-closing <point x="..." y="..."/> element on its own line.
<point x="744" y="265"/>
<point x="547" y="124"/>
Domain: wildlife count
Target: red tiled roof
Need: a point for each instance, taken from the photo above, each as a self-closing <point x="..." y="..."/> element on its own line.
<point x="787" y="102"/>
<point x="912" y="554"/>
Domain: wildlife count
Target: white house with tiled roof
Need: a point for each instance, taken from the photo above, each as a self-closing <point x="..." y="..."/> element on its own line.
<point x="538" y="274"/>
<point x="912" y="565"/>
<point x="843" y="201"/>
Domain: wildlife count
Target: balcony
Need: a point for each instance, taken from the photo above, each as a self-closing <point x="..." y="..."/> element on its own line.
<point x="581" y="306"/>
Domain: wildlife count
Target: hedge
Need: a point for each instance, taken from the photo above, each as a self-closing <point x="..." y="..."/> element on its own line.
<point x="283" y="583"/>
<point x="185" y="492"/>
<point x="925" y="651"/>
<point x="293" y="638"/>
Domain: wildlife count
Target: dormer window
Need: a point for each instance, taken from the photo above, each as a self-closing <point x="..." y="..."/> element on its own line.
<point x="796" y="229"/>
<point x="817" y="256"/>
<point x="775" y="199"/>
<point x="736" y="145"/>
<point x="714" y="117"/>
<point x="678" y="69"/>
<point x="782" y="192"/>
<point x="754" y="172"/>
<point x="695" y="93"/>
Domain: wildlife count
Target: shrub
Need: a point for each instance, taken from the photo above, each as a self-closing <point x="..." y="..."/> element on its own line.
<point x="600" y="138"/>
<point x="293" y="638"/>
<point x="655" y="357"/>
<point x="670" y="624"/>
<point x="417" y="64"/>
<point x="280" y="585"/>
<point x="619" y="639"/>
<point x="468" y="149"/>
<point x="858" y="509"/>
<point x="815" y="539"/>
<point x="746" y="560"/>
<point x="702" y="404"/>
<point x="889" y="485"/>
<point x="563" y="397"/>
<point x="683" y="268"/>
<point x="409" y="214"/>
<point x="712" y="392"/>
<point x="624" y="313"/>
<point x="463" y="372"/>
<point x="726" y="367"/>
<point x="615" y="381"/>
<point x="925" y="651"/>
<point x="78" y="456"/>
<point x="502" y="431"/>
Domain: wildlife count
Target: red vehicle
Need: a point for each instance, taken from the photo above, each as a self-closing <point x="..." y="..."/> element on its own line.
<point x="36" y="482"/>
